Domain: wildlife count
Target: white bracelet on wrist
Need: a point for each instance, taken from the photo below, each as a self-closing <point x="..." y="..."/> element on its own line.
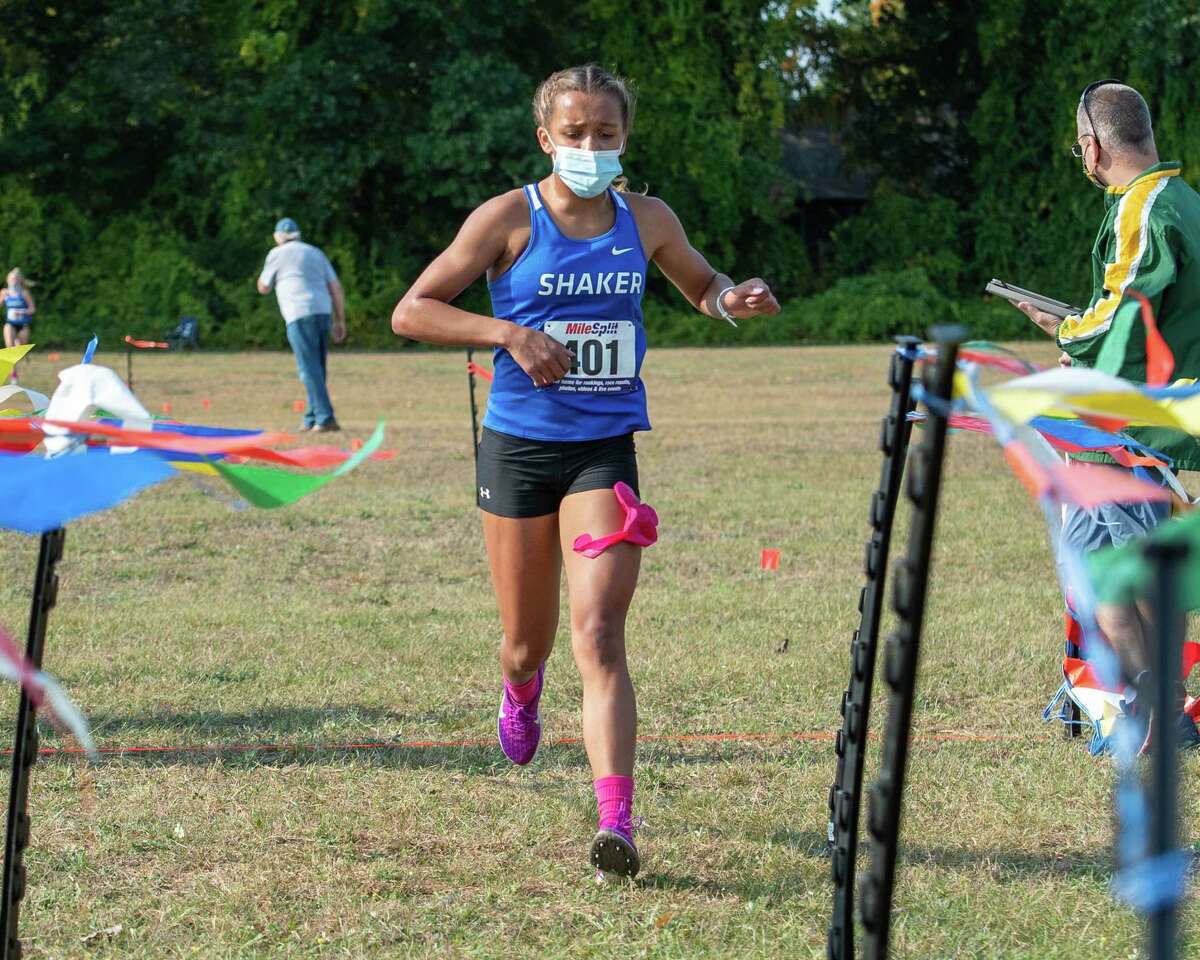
<point x="725" y="314"/>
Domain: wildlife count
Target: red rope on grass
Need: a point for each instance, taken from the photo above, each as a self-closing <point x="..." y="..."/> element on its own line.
<point x="216" y="748"/>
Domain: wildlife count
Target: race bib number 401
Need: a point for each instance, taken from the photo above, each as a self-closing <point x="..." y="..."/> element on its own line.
<point x="605" y="355"/>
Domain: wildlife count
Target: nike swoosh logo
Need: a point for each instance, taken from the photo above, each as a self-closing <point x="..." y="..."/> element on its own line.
<point x="618" y="251"/>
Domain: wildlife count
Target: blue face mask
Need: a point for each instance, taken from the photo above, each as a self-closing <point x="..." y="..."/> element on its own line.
<point x="587" y="173"/>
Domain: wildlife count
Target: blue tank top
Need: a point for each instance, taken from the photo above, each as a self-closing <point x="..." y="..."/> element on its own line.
<point x="16" y="307"/>
<point x="587" y="294"/>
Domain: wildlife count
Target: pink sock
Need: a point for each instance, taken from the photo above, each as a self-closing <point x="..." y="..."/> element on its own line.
<point x="612" y="793"/>
<point x="525" y="692"/>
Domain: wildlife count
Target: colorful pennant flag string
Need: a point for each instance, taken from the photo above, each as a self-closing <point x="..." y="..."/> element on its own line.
<point x="44" y="692"/>
<point x="94" y="464"/>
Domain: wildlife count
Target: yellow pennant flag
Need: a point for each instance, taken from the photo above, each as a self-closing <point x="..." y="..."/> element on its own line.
<point x="9" y="358"/>
<point x="1077" y="392"/>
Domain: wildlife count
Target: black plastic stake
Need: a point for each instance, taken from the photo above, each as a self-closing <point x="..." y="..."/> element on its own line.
<point x="846" y="791"/>
<point x="1166" y="560"/>
<point x="1074" y="724"/>
<point x="903" y="646"/>
<point x="25" y="747"/>
<point x="474" y="408"/>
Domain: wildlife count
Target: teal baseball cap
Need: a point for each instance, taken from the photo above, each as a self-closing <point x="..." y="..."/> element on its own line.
<point x="287" y="225"/>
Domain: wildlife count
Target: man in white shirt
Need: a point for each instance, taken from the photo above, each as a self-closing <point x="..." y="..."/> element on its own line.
<point x="311" y="301"/>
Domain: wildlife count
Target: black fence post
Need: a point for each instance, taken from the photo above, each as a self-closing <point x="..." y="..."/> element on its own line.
<point x="850" y="746"/>
<point x="474" y="407"/>
<point x="903" y="646"/>
<point x="25" y="747"/>
<point x="1074" y="724"/>
<point x="1169" y="627"/>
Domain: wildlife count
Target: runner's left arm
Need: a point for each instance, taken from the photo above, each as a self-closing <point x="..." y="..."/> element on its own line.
<point x="668" y="246"/>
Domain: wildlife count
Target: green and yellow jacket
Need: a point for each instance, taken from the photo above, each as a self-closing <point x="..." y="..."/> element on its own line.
<point x="1149" y="242"/>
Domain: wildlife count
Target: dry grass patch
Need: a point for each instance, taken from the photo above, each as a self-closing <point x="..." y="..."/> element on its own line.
<point x="364" y="614"/>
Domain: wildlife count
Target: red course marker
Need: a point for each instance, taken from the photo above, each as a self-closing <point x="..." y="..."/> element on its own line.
<point x="205" y="403"/>
<point x="166" y="406"/>
<point x="479" y="371"/>
<point x="298" y="406"/>
<point x="769" y="559"/>
<point x="147" y="344"/>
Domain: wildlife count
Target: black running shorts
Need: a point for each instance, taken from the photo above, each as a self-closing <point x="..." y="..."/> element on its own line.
<point x="520" y="478"/>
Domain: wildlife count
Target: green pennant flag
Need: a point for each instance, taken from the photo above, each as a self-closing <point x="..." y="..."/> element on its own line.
<point x="1121" y="575"/>
<point x="1116" y="341"/>
<point x="271" y="487"/>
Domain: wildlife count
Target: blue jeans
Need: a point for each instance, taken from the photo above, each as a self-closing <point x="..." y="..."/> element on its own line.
<point x="309" y="337"/>
<point x="1110" y="524"/>
<point x="1114" y="524"/>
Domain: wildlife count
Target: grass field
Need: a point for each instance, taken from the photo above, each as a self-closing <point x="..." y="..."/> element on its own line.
<point x="364" y="614"/>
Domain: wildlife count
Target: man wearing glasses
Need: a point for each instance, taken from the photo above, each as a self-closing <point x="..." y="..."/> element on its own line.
<point x="1149" y="241"/>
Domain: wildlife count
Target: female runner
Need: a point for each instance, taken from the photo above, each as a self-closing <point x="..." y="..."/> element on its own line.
<point x="566" y="263"/>
<point x="18" y="311"/>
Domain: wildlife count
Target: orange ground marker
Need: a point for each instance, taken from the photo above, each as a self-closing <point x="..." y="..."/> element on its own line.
<point x="768" y="559"/>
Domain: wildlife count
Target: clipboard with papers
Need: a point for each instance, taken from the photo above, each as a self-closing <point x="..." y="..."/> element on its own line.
<point x="1016" y="294"/>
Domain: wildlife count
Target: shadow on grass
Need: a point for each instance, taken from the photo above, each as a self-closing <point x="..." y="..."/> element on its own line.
<point x="351" y="734"/>
<point x="1001" y="865"/>
<point x="268" y="723"/>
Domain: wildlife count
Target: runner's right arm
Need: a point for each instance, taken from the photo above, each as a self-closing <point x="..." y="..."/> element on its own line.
<point x="425" y="313"/>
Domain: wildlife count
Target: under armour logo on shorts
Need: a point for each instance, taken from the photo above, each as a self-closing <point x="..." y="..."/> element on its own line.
<point x="485" y="493"/>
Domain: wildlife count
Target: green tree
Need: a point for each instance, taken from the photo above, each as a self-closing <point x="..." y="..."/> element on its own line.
<point x="148" y="146"/>
<point x="973" y="103"/>
<point x="1035" y="214"/>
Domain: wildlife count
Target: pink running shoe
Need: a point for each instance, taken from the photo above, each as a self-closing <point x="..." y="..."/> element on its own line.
<point x="613" y="849"/>
<point x="518" y="726"/>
